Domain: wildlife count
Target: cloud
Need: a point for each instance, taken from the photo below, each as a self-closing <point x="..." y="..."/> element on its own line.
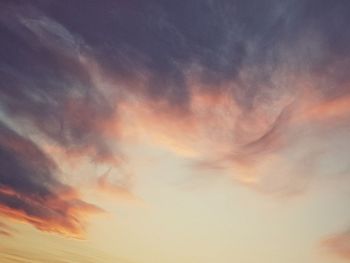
<point x="6" y="230"/>
<point x="338" y="244"/>
<point x="256" y="88"/>
<point x="57" y="254"/>
<point x="117" y="185"/>
<point x="75" y="78"/>
<point x="30" y="191"/>
<point x="49" y="87"/>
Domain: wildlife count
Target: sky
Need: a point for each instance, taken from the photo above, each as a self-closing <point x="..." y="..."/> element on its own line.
<point x="165" y="131"/>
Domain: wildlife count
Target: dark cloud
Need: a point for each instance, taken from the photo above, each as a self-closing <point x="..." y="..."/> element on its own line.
<point x="221" y="37"/>
<point x="43" y="80"/>
<point x="30" y="191"/>
<point x="66" y="66"/>
<point x="244" y="42"/>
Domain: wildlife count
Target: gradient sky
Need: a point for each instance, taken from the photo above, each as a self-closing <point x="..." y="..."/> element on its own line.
<point x="164" y="131"/>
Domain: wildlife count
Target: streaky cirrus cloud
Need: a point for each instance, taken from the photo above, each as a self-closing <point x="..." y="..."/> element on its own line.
<point x="256" y="88"/>
<point x="48" y="84"/>
<point x="240" y="57"/>
<point x="30" y="191"/>
<point x="6" y="230"/>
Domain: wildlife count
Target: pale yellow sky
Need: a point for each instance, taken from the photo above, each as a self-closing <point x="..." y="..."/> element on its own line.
<point x="190" y="216"/>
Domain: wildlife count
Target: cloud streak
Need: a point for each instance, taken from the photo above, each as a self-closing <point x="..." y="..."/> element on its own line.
<point x="30" y="192"/>
<point x="255" y="88"/>
<point x="338" y="244"/>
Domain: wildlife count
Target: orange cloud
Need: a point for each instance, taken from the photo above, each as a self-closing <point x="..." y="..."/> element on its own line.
<point x="62" y="216"/>
<point x="120" y="187"/>
<point x="6" y="230"/>
<point x="328" y="110"/>
<point x="338" y="244"/>
<point x="63" y="213"/>
<point x="30" y="191"/>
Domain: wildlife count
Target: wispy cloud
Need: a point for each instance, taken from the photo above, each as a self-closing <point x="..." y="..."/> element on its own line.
<point x="338" y="244"/>
<point x="30" y="191"/>
<point x="255" y="88"/>
<point x="6" y="230"/>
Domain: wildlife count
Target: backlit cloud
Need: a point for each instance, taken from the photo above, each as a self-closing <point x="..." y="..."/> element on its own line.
<point x="30" y="191"/>
<point x="256" y="88"/>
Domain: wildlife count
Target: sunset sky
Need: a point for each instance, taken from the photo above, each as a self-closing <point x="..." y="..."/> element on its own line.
<point x="174" y="131"/>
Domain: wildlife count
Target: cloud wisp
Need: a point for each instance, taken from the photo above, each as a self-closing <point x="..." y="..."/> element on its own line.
<point x="30" y="192"/>
<point x="256" y="88"/>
